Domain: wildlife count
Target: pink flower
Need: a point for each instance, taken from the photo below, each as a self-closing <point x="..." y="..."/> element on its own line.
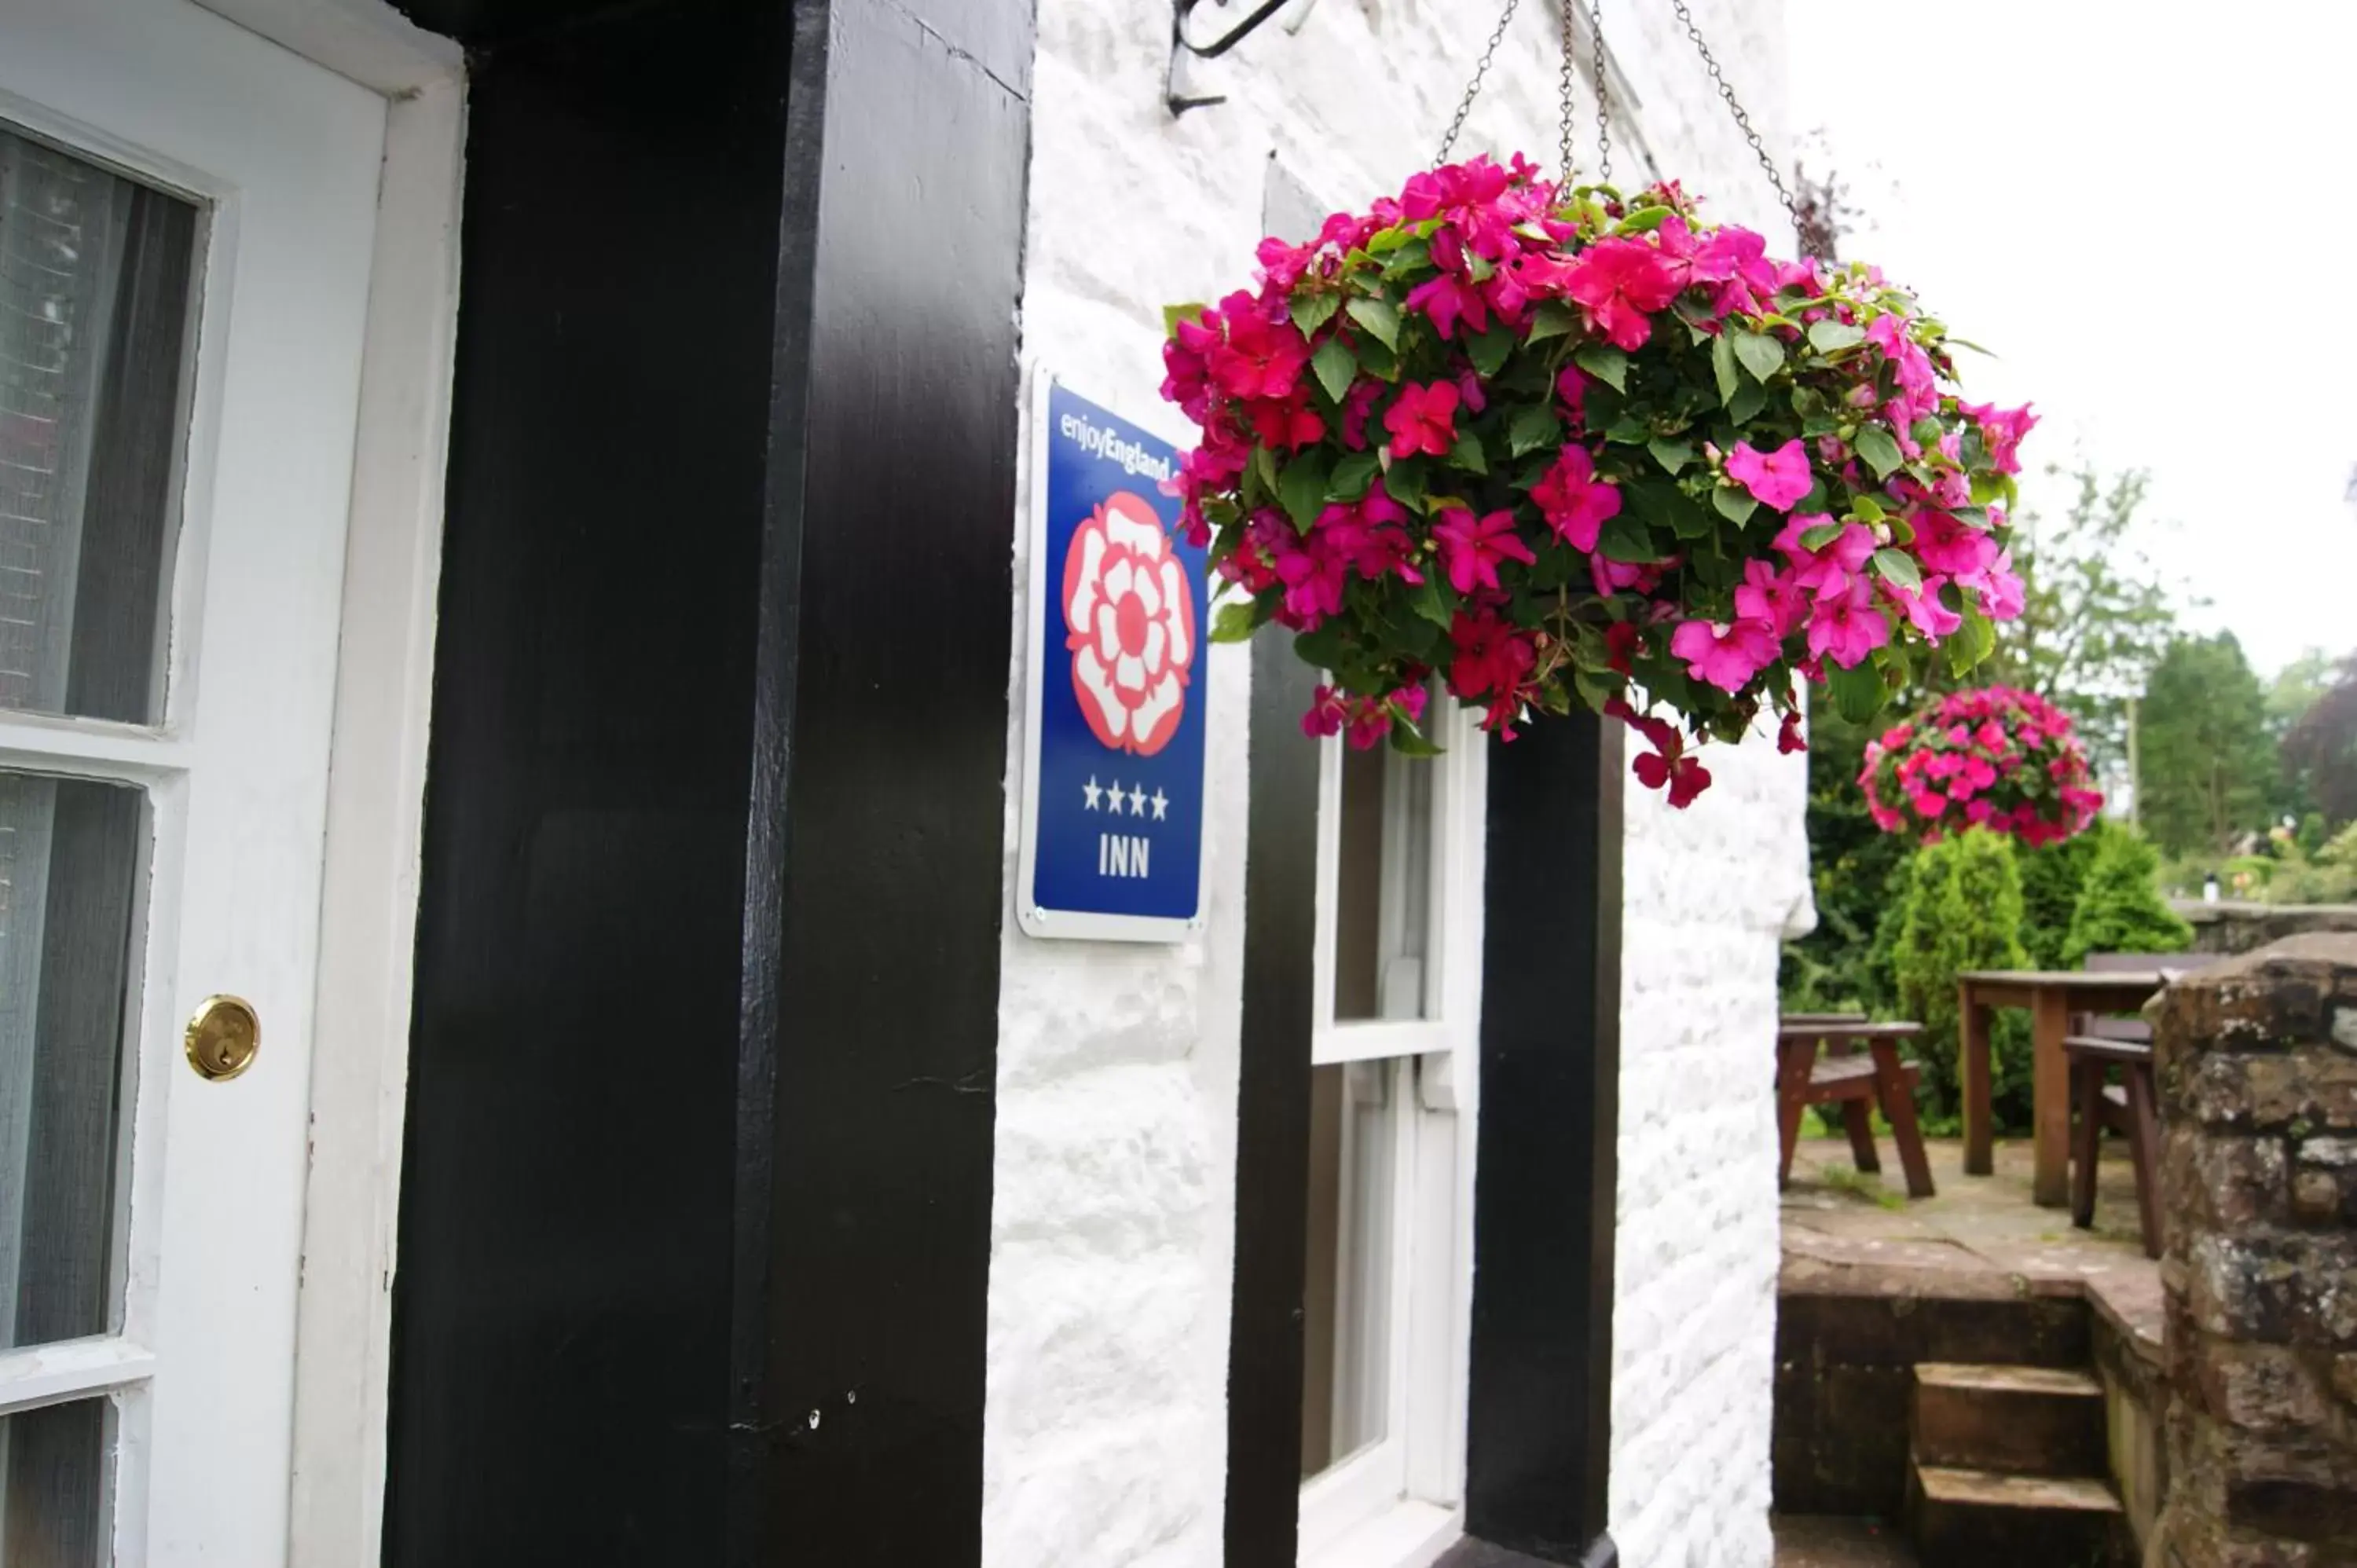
<point x="1574" y="502"/>
<point x="1725" y="654"/>
<point x="1260" y="359"/>
<point x="1788" y="735"/>
<point x="1829" y="568"/>
<point x="1620" y="283"/>
<point x="1765" y="594"/>
<point x="1423" y="418"/>
<point x="1446" y="298"/>
<point x="1779" y="479"/>
<point x="1492" y="655"/>
<point x="1845" y="628"/>
<point x="1923" y="610"/>
<point x="1286" y="423"/>
<point x="1684" y="777"/>
<point x="1473" y="546"/>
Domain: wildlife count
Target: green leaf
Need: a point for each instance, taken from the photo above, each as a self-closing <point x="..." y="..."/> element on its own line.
<point x="1745" y="406"/>
<point x="1261" y="471"/>
<point x="1384" y="240"/>
<point x="1817" y="538"/>
<point x="1643" y="220"/>
<point x="1378" y="317"/>
<point x="1531" y="428"/>
<point x="1467" y="454"/>
<point x="1172" y="315"/>
<point x="1761" y="355"/>
<point x="1735" y="505"/>
<point x="1408" y="258"/>
<point x="1722" y="364"/>
<point x="1831" y="336"/>
<point x="1489" y="350"/>
<point x="1301" y="488"/>
<point x="1606" y="363"/>
<point x="1670" y="455"/>
<point x="1897" y="566"/>
<point x="1552" y="318"/>
<point x="1237" y="619"/>
<point x="1624" y="539"/>
<point x="1351" y="476"/>
<point x="1311" y="311"/>
<point x="1377" y="360"/>
<point x="1408" y="741"/>
<point x="1429" y="600"/>
<point x="1336" y="366"/>
<point x="1880" y="451"/>
<point x="1856" y="690"/>
<point x="1404" y="481"/>
<point x="1865" y="509"/>
<point x="1988" y="488"/>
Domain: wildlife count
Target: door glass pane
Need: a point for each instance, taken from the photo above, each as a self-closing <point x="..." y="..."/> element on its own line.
<point x="72" y="855"/>
<point x="1345" y="1382"/>
<point x="53" y="1487"/>
<point x="1383" y="900"/>
<point x="96" y="279"/>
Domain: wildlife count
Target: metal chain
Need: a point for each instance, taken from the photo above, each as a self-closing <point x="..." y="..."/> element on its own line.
<point x="1473" y="88"/>
<point x="1568" y="167"/>
<point x="1603" y="93"/>
<point x="1742" y="120"/>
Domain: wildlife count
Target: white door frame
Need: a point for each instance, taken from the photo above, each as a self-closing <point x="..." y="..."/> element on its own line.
<point x="367" y="913"/>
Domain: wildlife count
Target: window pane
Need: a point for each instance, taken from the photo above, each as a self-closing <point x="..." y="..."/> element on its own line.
<point x="95" y="283"/>
<point x="1345" y="1384"/>
<point x="53" y="1487"/>
<point x="71" y="857"/>
<point x="1382" y="898"/>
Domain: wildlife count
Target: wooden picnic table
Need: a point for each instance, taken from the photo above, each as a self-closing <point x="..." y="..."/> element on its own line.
<point x="2051" y="996"/>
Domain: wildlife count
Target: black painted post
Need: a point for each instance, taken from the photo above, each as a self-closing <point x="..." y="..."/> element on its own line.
<point x="1264" y="1346"/>
<point x="1539" y="1418"/>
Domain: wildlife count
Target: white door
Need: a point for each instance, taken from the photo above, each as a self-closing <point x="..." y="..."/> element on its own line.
<point x="186" y="219"/>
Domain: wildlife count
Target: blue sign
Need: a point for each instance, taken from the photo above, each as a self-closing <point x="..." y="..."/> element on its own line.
<point x="1112" y="786"/>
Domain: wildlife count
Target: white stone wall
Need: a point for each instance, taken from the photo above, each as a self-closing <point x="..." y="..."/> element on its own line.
<point x="1105" y="1441"/>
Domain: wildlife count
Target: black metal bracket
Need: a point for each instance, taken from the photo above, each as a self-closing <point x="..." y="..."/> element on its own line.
<point x="1179" y="100"/>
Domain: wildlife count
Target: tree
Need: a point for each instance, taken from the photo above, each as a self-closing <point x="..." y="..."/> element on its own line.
<point x="2319" y="748"/>
<point x="2120" y="909"/>
<point x="2207" y="768"/>
<point x="1961" y="908"/>
<point x="2096" y="617"/>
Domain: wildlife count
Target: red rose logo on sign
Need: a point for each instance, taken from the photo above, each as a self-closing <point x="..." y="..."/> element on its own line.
<point x="1129" y="619"/>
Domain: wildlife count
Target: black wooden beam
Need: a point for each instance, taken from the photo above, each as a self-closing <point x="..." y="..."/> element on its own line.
<point x="1264" y="1346"/>
<point x="1539" y="1413"/>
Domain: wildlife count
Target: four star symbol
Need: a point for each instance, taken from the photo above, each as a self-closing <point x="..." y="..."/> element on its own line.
<point x="1114" y="795"/>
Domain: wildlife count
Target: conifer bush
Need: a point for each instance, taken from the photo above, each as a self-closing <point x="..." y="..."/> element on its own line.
<point x="1961" y="908"/>
<point x="2120" y="909"/>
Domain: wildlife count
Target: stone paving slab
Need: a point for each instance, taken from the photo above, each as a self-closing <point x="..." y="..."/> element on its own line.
<point x="1980" y="1237"/>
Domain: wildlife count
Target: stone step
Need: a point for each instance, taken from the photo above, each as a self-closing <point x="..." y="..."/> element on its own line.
<point x="2021" y="1421"/>
<point x="1973" y="1519"/>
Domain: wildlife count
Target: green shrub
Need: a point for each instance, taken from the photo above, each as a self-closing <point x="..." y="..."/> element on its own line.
<point x="2120" y="909"/>
<point x="1961" y="908"/>
<point x="2050" y="879"/>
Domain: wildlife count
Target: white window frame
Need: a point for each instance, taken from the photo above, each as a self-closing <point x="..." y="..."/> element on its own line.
<point x="1399" y="1503"/>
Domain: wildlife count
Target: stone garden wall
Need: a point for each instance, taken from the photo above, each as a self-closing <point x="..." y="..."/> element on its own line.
<point x="2257" y="1061"/>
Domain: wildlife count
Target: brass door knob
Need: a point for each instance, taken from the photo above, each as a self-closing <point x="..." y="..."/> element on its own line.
<point x="224" y="1037"/>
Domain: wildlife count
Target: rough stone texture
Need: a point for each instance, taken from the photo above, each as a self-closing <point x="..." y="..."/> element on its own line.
<point x="2234" y="928"/>
<point x="2259" y="1089"/>
<point x="1111" y="1230"/>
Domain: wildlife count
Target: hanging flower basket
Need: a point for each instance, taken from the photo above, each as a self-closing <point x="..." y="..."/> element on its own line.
<point x="1558" y="446"/>
<point x="1995" y="757"/>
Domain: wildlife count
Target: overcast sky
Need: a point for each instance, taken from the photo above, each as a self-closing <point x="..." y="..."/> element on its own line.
<point x="2148" y="211"/>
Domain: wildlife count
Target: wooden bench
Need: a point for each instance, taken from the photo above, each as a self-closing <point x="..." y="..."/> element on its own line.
<point x="1818" y="1063"/>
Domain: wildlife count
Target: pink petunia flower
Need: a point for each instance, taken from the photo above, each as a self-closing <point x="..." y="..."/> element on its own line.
<point x="1725" y="654"/>
<point x="1776" y="478"/>
<point x="1472" y="546"/>
<point x="1620" y="283"/>
<point x="1423" y="418"/>
<point x="1574" y="502"/>
<point x="1847" y="628"/>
